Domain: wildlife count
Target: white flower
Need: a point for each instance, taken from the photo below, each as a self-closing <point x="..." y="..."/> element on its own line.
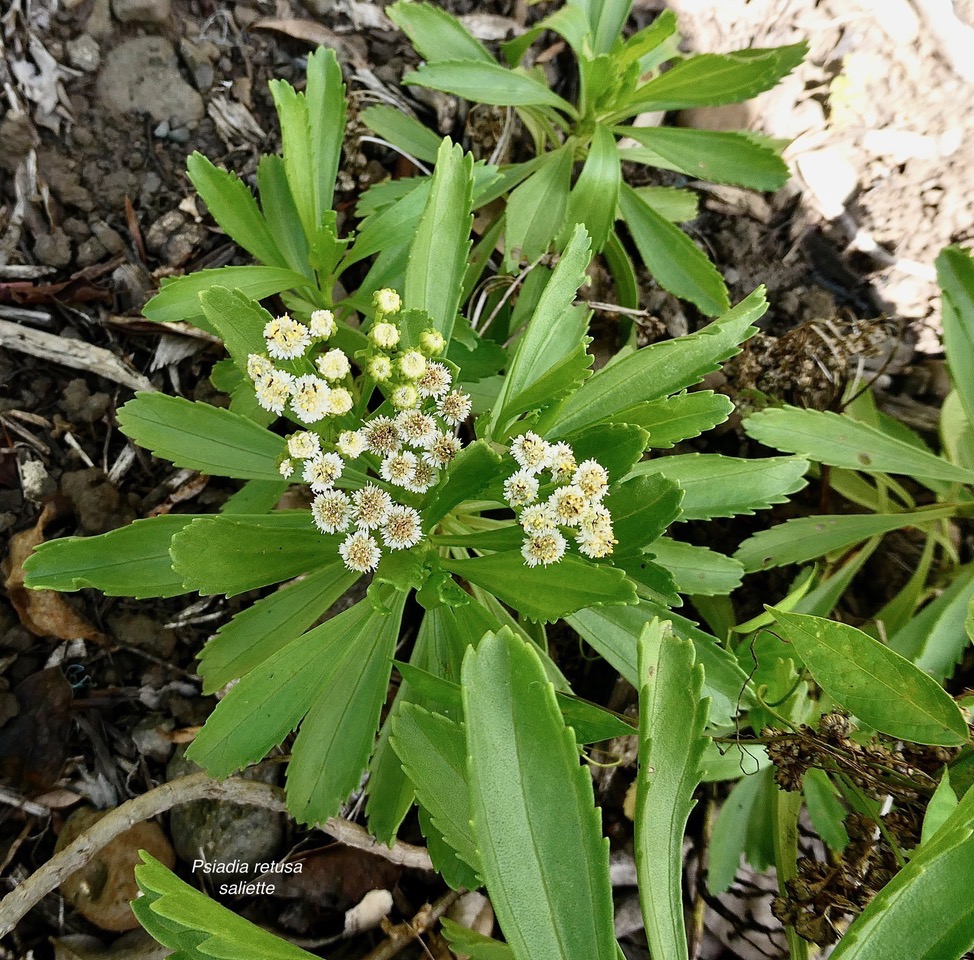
<point x="285" y="468"/>
<point x="351" y="444"/>
<point x="543" y="548"/>
<point x="562" y="461"/>
<point x="416" y="427"/>
<point x="435" y="381"/>
<point x="386" y="301"/>
<point x="258" y="366"/>
<point x="431" y="342"/>
<point x="332" y="511"/>
<point x="333" y="365"/>
<point x="310" y="399"/>
<point x="360" y="552"/>
<point x="521" y="488"/>
<point x="339" y="402"/>
<point x="323" y="471"/>
<point x="403" y="529"/>
<point x="381" y="436"/>
<point x="322" y="324"/>
<point x="385" y="335"/>
<point x="592" y="479"/>
<point x="570" y="505"/>
<point x="531" y="452"/>
<point x="454" y="408"/>
<point x="273" y="389"/>
<point x="412" y="364"/>
<point x="538" y="518"/>
<point x="380" y="367"/>
<point x="597" y="519"/>
<point x="399" y="468"/>
<point x="405" y="397"/>
<point x="286" y="338"/>
<point x="424" y="478"/>
<point x="442" y="450"/>
<point x="595" y="545"/>
<point x="372" y="506"/>
<point x="303" y="444"/>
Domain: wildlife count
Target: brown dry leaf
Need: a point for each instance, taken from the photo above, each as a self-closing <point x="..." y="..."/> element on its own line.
<point x="43" y="612"/>
<point x="311" y="32"/>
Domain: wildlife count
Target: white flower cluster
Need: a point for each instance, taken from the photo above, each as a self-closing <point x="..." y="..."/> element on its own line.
<point x="407" y="450"/>
<point x="575" y="503"/>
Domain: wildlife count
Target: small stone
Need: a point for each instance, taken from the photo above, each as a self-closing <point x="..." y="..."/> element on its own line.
<point x="144" y="633"/>
<point x="141" y="11"/>
<point x="96" y="502"/>
<point x="199" y="64"/>
<point x="110" y="239"/>
<point x="162" y="130"/>
<point x="245" y="16"/>
<point x="35" y="481"/>
<point x="99" y="23"/>
<point x="83" y="53"/>
<point x="179" y="135"/>
<point x="90" y="251"/>
<point x="81" y="406"/>
<point x="149" y="740"/>
<point x="173" y="238"/>
<point x="830" y="176"/>
<point x="53" y="249"/>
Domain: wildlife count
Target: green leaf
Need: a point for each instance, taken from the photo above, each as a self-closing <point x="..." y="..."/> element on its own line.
<point x="438" y="254"/>
<point x="536" y="208"/>
<point x="476" y="466"/>
<point x="673" y="259"/>
<point x="569" y="22"/>
<point x="659" y="369"/>
<point x="295" y="122"/>
<point x="671" y="203"/>
<point x="178" y="300"/>
<point x="955" y="272"/>
<point x="672" y="718"/>
<point x="545" y="593"/>
<point x="942" y="804"/>
<point x="648" y="39"/>
<point x="337" y="735"/>
<point x="433" y="751"/>
<point x="729" y="839"/>
<point x="614" y="633"/>
<point x="840" y="441"/>
<point x="872" y="682"/>
<point x="708" y="155"/>
<point x="803" y="539"/>
<point x="475" y="945"/>
<point x="233" y="554"/>
<point x="132" y="561"/>
<point x="180" y="917"/>
<point x="713" y="79"/>
<point x="617" y="446"/>
<point x="234" y="208"/>
<point x="325" y="95"/>
<point x="402" y="130"/>
<point x="718" y="486"/>
<point x="281" y="214"/>
<point x="594" y="197"/>
<point x="925" y="912"/>
<point x="547" y="876"/>
<point x="202" y="437"/>
<point x="642" y="509"/>
<point x="270" y="701"/>
<point x="825" y="810"/>
<point x="255" y="496"/>
<point x="956" y="432"/>
<point x="257" y="633"/>
<point x="619" y="262"/>
<point x="487" y="83"/>
<point x="672" y="419"/>
<point x="435" y="34"/>
<point x="697" y="570"/>
<point x="240" y="323"/>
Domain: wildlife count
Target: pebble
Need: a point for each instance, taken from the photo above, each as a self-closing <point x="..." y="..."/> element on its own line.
<point x="53" y="249"/>
<point x="173" y="238"/>
<point x="830" y="176"/>
<point x="141" y="11"/>
<point x="35" y="481"/>
<point x="83" y="53"/>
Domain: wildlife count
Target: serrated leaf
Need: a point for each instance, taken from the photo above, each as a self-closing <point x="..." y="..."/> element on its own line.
<point x="840" y="441"/>
<point x="234" y="208"/>
<point x="718" y="486"/>
<point x="673" y="259"/>
<point x="925" y="912"/>
<point x="132" y="561"/>
<point x="295" y="123"/>
<point x="671" y="203"/>
<point x="438" y="253"/>
<point x="672" y="718"/>
<point x="594" y="197"/>
<point x="942" y="804"/>
<point x="617" y="446"/>
<point x="805" y="538"/>
<point x="642" y="509"/>
<point x="872" y="682"/>
<point x="623" y="272"/>
<point x="729" y="839"/>
<point x="257" y="633"/>
<point x="239" y="321"/>
<point x="433" y="751"/>
<point x="476" y="466"/>
<point x="435" y="34"/>
<point x="545" y="593"/>
<point x="718" y="156"/>
<point x="281" y="214"/>
<point x="548" y="876"/>
<point x="659" y="369"/>
<point x="672" y="419"/>
<point x="179" y="299"/>
<point x="536" y="208"/>
<point x="487" y="83"/>
<point x="475" y="945"/>
<point x="955" y="273"/>
<point x="233" y="554"/>
<point x="325" y="95"/>
<point x="202" y="437"/>
<point x="697" y="570"/>
<point x="402" y="130"/>
<point x="337" y="735"/>
<point x="179" y="916"/>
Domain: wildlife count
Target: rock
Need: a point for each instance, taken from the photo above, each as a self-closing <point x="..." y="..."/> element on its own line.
<point x="830" y="176"/>
<point x="35" y="481"/>
<point x="199" y="63"/>
<point x="53" y="249"/>
<point x="148" y="737"/>
<point x="90" y="252"/>
<point x="141" y="11"/>
<point x="99" y="23"/>
<point x="81" y="406"/>
<point x="17" y="138"/>
<point x="173" y="238"/>
<point x="83" y="53"/>
<point x="142" y="76"/>
<point x="142" y="632"/>
<point x="110" y="239"/>
<point x="96" y="502"/>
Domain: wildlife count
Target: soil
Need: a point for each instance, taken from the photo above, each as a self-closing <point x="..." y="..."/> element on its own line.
<point x="104" y="99"/>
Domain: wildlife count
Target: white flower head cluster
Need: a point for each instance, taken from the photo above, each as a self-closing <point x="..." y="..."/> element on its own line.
<point x="408" y="449"/>
<point x="575" y="504"/>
